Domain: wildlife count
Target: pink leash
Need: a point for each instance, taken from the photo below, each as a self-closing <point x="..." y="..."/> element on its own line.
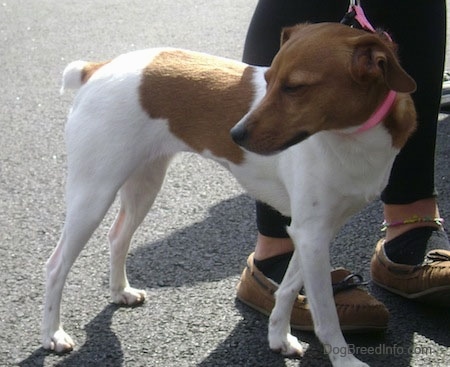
<point x="356" y="18"/>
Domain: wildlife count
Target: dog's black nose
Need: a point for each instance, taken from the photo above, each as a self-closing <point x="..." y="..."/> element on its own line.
<point x="239" y="134"/>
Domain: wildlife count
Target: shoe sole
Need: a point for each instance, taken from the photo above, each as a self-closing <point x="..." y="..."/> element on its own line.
<point x="348" y="329"/>
<point x="439" y="296"/>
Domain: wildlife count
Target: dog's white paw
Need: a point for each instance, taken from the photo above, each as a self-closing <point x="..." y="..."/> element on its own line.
<point x="129" y="296"/>
<point x="289" y="346"/>
<point x="59" y="341"/>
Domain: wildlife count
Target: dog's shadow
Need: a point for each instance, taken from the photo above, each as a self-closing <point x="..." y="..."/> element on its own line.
<point x="209" y="250"/>
<point x="102" y="347"/>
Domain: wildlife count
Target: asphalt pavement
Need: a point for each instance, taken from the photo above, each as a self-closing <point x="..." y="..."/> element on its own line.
<point x="193" y="245"/>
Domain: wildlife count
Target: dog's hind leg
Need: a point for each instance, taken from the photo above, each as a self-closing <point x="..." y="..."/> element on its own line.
<point x="136" y="197"/>
<point x="86" y="207"/>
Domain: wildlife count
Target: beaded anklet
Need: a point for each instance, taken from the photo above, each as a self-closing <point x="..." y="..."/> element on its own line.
<point x="413" y="219"/>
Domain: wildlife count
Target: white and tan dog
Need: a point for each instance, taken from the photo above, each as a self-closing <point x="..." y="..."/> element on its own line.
<point x="330" y="86"/>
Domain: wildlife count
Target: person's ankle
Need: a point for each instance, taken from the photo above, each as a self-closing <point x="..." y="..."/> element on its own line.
<point x="267" y="247"/>
<point x="421" y="213"/>
<point x="411" y="231"/>
<point x="412" y="247"/>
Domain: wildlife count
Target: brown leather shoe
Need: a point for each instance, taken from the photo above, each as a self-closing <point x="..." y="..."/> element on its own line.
<point x="428" y="282"/>
<point x="358" y="311"/>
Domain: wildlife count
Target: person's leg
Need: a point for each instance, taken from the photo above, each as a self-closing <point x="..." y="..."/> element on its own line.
<point x="414" y="258"/>
<point x="270" y="17"/>
<point x="421" y="50"/>
<point x="261" y="45"/>
<point x="410" y="192"/>
<point x="274" y="247"/>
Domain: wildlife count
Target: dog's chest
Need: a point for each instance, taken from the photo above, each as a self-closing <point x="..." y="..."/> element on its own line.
<point x="260" y="177"/>
<point x="334" y="174"/>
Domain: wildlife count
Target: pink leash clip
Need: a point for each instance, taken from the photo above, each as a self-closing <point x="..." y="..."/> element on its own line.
<point x="355" y="17"/>
<point x="360" y="17"/>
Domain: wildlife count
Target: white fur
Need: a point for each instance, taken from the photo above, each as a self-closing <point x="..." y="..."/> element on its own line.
<point x="113" y="145"/>
<point x="71" y="75"/>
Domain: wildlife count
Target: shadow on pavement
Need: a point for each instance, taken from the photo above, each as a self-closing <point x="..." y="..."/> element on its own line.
<point x="211" y="250"/>
<point x="101" y="348"/>
<point x="396" y="347"/>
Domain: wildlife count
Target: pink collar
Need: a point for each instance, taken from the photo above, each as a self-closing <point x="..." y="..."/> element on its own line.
<point x="356" y="13"/>
<point x="379" y="114"/>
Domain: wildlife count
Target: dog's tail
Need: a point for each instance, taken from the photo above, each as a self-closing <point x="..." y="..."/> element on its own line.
<point x="77" y="73"/>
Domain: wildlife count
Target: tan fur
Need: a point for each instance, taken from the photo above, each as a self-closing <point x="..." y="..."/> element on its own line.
<point x="90" y="69"/>
<point x="401" y="121"/>
<point x="196" y="93"/>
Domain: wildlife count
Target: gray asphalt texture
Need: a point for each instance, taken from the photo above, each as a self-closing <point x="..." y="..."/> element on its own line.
<point x="190" y="251"/>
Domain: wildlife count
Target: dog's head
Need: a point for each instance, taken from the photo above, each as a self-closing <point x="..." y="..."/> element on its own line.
<point x="326" y="76"/>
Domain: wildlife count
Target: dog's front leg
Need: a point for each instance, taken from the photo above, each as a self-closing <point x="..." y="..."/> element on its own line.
<point x="280" y="338"/>
<point x="312" y="259"/>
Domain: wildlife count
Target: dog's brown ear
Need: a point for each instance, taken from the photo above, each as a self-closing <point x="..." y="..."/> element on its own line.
<point x="286" y="34"/>
<point x="372" y="58"/>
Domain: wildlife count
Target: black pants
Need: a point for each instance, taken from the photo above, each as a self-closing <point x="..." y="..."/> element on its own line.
<point x="419" y="28"/>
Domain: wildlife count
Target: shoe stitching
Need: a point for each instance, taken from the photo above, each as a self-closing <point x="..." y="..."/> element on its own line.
<point x="436" y="256"/>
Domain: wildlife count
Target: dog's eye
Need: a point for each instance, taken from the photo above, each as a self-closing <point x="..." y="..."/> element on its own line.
<point x="292" y="88"/>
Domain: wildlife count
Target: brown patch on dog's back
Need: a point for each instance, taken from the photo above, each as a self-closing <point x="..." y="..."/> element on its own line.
<point x="201" y="96"/>
<point x="90" y="69"/>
